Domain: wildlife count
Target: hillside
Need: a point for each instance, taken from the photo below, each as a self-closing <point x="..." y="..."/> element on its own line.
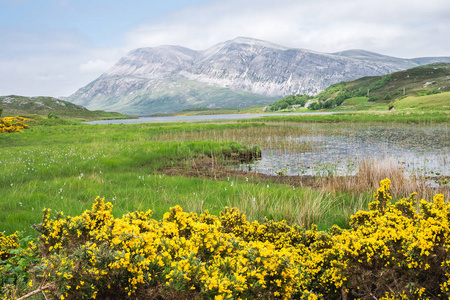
<point x="14" y="105"/>
<point x="419" y="81"/>
<point x="236" y="73"/>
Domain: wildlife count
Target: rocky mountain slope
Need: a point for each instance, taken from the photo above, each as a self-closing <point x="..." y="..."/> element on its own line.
<point x="236" y="73"/>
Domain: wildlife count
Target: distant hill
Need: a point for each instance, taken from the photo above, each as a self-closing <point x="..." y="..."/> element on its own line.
<point x="236" y="73"/>
<point x="419" y="81"/>
<point x="14" y="105"/>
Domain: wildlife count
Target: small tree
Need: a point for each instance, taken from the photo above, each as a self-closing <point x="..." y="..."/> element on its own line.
<point x="314" y="106"/>
<point x="329" y="103"/>
<point x="52" y="116"/>
<point x="1" y="110"/>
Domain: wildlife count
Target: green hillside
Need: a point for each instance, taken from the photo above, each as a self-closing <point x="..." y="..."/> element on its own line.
<point x="378" y="92"/>
<point x="430" y="102"/>
<point x="14" y="105"/>
<point x="420" y="81"/>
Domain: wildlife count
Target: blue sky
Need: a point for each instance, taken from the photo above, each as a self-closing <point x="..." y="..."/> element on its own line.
<point x="55" y="47"/>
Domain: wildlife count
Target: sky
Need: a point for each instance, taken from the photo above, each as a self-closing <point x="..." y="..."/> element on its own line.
<point x="54" y="47"/>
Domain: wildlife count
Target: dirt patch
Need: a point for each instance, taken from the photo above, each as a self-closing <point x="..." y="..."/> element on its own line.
<point x="213" y="168"/>
<point x="207" y="167"/>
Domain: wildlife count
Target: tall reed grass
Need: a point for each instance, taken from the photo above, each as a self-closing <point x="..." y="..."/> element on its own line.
<point x="372" y="171"/>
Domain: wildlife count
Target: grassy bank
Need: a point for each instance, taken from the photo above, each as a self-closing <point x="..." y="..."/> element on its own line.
<point x="64" y="165"/>
<point x="392" y="117"/>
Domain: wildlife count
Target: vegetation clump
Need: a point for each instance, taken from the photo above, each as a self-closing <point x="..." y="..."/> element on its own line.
<point x="13" y="124"/>
<point x="290" y="102"/>
<point x="419" y="81"/>
<point x="393" y="251"/>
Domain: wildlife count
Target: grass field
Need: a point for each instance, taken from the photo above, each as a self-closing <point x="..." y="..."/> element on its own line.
<point x="63" y="165"/>
<point x="425" y="103"/>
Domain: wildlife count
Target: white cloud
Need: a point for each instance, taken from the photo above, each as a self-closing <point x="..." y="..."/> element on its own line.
<point x="399" y="28"/>
<point x="95" y="66"/>
<point x="51" y="63"/>
<point x="57" y="63"/>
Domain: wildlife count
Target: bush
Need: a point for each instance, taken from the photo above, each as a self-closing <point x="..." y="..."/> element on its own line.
<point x="52" y="115"/>
<point x="374" y="98"/>
<point x="314" y="106"/>
<point x="289" y="101"/>
<point x="392" y="251"/>
<point x="13" y="124"/>
<point x="329" y="104"/>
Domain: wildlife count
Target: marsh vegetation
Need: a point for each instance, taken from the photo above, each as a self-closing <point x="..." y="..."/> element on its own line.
<point x="305" y="177"/>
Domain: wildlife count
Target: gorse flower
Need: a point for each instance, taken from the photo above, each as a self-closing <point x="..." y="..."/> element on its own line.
<point x="13" y="124"/>
<point x="392" y="251"/>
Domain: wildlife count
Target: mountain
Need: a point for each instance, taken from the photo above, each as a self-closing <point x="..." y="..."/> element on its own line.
<point x="237" y="73"/>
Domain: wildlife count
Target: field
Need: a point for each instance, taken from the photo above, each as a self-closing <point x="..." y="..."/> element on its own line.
<point x="174" y="168"/>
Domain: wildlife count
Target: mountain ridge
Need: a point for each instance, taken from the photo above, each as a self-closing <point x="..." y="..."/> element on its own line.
<point x="236" y="73"/>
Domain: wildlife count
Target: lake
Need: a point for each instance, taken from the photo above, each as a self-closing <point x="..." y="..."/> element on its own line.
<point x="201" y="118"/>
<point x="418" y="150"/>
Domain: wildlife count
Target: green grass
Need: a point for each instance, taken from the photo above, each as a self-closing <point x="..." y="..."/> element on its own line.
<point x="430" y="102"/>
<point x="393" y="117"/>
<point x="64" y="165"/>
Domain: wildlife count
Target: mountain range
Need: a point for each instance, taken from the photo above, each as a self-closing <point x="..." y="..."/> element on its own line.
<point x="236" y="73"/>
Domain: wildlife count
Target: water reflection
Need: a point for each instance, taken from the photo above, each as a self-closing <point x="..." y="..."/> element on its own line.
<point x="419" y="150"/>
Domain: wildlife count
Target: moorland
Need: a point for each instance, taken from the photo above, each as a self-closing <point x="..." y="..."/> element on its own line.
<point x="177" y="218"/>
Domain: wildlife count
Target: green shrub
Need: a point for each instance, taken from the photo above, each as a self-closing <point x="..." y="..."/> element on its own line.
<point x="374" y="98"/>
<point x="314" y="106"/>
<point x="52" y="115"/>
<point x="330" y="103"/>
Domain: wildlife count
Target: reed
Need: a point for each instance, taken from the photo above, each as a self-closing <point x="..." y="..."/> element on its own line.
<point x="372" y="171"/>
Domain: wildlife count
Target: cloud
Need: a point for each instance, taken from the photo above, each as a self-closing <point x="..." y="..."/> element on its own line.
<point x="57" y="60"/>
<point x="399" y="28"/>
<point x="52" y="63"/>
<point x="95" y="66"/>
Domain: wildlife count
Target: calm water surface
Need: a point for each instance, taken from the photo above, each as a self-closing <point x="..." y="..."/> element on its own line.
<point x="421" y="150"/>
<point x="417" y="149"/>
<point x="202" y="118"/>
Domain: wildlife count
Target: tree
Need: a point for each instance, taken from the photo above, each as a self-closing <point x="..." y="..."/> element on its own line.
<point x="314" y="106"/>
<point x="329" y="103"/>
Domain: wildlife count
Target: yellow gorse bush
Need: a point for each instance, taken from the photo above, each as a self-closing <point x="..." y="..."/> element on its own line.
<point x="13" y="124"/>
<point x="7" y="243"/>
<point x="392" y="251"/>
